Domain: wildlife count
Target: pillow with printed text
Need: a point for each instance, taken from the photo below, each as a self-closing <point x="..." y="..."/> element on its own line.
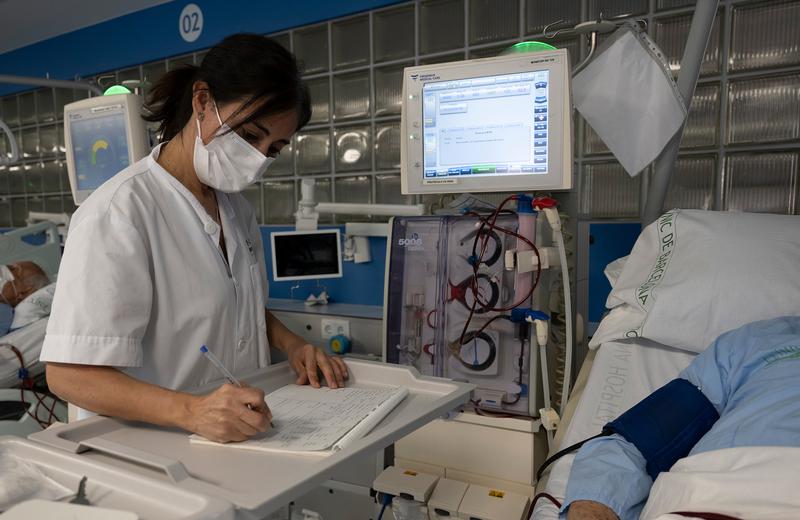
<point x="693" y="275"/>
<point x="34" y="307"/>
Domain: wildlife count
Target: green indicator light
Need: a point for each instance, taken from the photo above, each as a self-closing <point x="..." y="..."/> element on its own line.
<point x="116" y="89"/>
<point x="483" y="169"/>
<point x="522" y="47"/>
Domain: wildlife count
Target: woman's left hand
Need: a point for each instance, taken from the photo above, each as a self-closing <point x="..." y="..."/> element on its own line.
<point x="308" y="360"/>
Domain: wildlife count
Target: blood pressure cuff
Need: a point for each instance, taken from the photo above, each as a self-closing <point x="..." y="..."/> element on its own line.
<point x="667" y="424"/>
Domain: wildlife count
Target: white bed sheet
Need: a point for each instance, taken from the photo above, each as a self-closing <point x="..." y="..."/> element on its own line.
<point x="621" y="375"/>
<point x="29" y="341"/>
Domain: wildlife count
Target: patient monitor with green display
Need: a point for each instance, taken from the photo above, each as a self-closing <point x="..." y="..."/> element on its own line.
<point x="492" y="124"/>
<point x="103" y="136"/>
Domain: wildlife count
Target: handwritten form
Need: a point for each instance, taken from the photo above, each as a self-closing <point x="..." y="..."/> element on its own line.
<point x="320" y="420"/>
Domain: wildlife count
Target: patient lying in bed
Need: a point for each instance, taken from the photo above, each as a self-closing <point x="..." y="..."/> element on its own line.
<point x="17" y="281"/>
<point x="751" y="377"/>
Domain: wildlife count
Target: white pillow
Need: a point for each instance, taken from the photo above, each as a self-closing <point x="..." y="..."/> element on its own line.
<point x="614" y="269"/>
<point x="693" y="275"/>
<point x="34" y="307"/>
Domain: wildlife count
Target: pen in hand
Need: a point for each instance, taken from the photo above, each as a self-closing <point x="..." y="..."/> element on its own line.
<point x="225" y="372"/>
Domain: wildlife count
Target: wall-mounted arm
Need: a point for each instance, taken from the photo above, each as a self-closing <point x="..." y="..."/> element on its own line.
<point x="699" y="33"/>
<point x="47" y="82"/>
<point x="307" y="215"/>
<point x="396" y="210"/>
<point x="356" y="244"/>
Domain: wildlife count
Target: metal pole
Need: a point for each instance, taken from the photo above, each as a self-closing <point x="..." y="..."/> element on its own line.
<point x="699" y="33"/>
<point x="46" y="82"/>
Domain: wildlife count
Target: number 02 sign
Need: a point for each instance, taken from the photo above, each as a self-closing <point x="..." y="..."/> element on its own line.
<point x="190" y="23"/>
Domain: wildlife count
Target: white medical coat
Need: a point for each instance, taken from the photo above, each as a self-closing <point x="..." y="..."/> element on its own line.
<point x="143" y="283"/>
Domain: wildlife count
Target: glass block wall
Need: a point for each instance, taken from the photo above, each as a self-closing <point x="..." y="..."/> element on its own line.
<point x="741" y="148"/>
<point x="741" y="145"/>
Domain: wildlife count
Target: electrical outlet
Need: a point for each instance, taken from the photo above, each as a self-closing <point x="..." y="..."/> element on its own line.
<point x="332" y="327"/>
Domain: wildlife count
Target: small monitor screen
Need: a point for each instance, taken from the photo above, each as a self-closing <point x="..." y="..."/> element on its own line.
<point x="486" y="126"/>
<point x="306" y="255"/>
<point x="100" y="149"/>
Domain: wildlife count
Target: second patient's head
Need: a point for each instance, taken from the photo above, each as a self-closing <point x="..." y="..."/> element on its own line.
<point x="19" y="280"/>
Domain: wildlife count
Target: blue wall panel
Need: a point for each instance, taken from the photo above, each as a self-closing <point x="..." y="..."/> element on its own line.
<point x="152" y="34"/>
<point x="607" y="242"/>
<point x="361" y="284"/>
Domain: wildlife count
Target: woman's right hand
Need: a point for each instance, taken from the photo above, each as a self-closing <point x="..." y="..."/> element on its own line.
<point x="224" y="416"/>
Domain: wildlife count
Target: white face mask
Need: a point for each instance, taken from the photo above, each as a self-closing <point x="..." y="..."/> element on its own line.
<point x="6" y="276"/>
<point x="228" y="163"/>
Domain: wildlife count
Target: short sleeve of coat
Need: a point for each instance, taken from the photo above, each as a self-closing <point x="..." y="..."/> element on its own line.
<point x="104" y="293"/>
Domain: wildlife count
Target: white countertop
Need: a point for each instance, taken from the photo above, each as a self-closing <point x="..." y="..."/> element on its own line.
<point x="373" y="312"/>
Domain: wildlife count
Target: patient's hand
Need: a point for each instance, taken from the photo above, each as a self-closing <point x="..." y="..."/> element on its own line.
<point x="589" y="510"/>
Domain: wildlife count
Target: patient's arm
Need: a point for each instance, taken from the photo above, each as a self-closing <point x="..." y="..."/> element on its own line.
<point x="608" y="471"/>
<point x="588" y="510"/>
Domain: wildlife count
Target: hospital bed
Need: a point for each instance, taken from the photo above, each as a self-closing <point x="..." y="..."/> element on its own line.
<point x="612" y="379"/>
<point x="620" y="372"/>
<point x="23" y="412"/>
<point x="28" y="340"/>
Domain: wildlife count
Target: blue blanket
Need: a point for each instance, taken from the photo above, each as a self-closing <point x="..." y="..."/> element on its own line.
<point x="6" y="318"/>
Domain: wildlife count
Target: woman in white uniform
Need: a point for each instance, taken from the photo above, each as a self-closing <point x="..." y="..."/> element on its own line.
<point x="167" y="257"/>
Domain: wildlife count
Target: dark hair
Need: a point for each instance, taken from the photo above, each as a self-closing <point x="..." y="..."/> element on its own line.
<point x="242" y="66"/>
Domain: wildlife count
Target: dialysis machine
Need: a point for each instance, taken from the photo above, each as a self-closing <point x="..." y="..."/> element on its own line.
<point x="468" y="296"/>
